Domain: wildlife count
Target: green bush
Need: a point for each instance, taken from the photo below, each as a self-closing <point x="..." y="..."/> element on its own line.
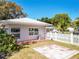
<point x="7" y="43"/>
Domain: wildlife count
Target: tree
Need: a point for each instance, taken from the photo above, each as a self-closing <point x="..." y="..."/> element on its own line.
<point x="8" y="44"/>
<point x="2" y="2"/>
<point x="61" y="21"/>
<point x="45" y="19"/>
<point x="10" y="10"/>
<point x="76" y="23"/>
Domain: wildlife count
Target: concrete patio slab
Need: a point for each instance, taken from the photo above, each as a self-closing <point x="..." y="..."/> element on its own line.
<point x="56" y="52"/>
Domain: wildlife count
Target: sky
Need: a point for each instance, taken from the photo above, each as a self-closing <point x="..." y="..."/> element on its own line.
<point x="48" y="8"/>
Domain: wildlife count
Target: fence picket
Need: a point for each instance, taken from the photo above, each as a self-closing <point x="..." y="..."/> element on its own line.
<point x="64" y="37"/>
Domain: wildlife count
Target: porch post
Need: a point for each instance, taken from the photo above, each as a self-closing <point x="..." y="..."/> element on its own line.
<point x="55" y="35"/>
<point x="71" y="37"/>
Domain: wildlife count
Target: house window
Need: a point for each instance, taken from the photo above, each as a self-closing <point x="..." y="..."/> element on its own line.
<point x="16" y="32"/>
<point x="33" y="31"/>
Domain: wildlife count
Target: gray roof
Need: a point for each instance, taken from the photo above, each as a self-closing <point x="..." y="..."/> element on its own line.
<point x="25" y="21"/>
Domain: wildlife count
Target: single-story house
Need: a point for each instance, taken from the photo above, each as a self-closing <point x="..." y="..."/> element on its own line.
<point x="26" y="28"/>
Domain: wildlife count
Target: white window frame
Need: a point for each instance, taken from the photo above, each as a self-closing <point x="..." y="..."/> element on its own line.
<point x="15" y="33"/>
<point x="33" y="31"/>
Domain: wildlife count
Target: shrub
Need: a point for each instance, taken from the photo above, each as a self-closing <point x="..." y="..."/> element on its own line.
<point x="7" y="43"/>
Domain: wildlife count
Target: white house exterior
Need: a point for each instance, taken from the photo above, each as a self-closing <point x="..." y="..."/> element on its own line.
<point x="26" y="28"/>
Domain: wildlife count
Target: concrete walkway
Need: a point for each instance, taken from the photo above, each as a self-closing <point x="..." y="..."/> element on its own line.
<point x="56" y="52"/>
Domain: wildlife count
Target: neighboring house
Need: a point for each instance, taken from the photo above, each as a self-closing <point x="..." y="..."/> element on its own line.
<point x="26" y="29"/>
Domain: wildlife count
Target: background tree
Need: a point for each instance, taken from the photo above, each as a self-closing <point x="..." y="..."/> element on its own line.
<point x="76" y="23"/>
<point x="10" y="10"/>
<point x="61" y="21"/>
<point x="45" y="19"/>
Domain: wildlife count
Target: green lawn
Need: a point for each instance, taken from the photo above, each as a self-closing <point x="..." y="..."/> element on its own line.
<point x="29" y="53"/>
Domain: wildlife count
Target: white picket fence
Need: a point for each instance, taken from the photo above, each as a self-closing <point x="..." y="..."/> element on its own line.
<point x="73" y="39"/>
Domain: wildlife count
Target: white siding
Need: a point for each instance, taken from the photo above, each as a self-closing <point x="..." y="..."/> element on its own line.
<point x="42" y="32"/>
<point x="24" y="32"/>
<point x="30" y="37"/>
<point x="14" y="26"/>
<point x="8" y="29"/>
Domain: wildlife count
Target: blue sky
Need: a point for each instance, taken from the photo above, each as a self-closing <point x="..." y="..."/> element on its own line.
<point x="48" y="8"/>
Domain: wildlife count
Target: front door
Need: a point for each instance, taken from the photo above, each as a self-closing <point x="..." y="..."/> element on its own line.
<point x="33" y="33"/>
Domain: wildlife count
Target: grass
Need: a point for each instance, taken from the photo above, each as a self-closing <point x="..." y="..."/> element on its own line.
<point x="29" y="53"/>
<point x="75" y="56"/>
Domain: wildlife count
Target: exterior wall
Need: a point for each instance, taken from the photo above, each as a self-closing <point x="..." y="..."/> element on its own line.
<point x="42" y="32"/>
<point x="14" y="26"/>
<point x="24" y="32"/>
